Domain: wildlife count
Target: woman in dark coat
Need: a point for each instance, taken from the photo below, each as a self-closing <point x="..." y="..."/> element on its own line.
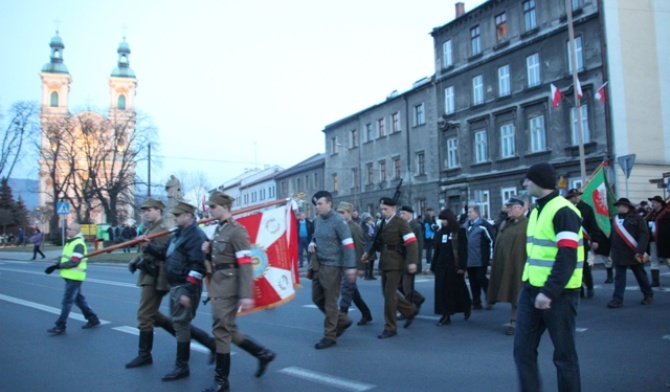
<point x="449" y="265"/>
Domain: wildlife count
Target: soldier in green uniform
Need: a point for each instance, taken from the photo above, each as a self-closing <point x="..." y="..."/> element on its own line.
<point x="397" y="243"/>
<point x="231" y="288"/>
<point x="154" y="285"/>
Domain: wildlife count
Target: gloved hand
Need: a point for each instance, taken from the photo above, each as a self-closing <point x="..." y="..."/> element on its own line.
<point x="51" y="269"/>
<point x="132" y="267"/>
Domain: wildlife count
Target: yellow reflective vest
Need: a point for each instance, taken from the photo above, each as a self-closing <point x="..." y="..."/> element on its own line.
<point x="79" y="272"/>
<point x="542" y="248"/>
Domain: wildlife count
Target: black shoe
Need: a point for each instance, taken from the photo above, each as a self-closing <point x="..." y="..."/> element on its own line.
<point x="477" y="307"/>
<point x="177" y="373"/>
<point x="410" y="319"/>
<point x="647" y="301"/>
<point x="264" y="358"/>
<point x="418" y="305"/>
<point x="466" y="314"/>
<point x="340" y="330"/>
<point x="609" y="280"/>
<point x="386" y="334"/>
<point x="614" y="304"/>
<point x="56" y="330"/>
<point x="324" y="343"/>
<point x="590" y="293"/>
<point x="91" y="324"/>
<point x="140" y="360"/>
<point x="364" y="320"/>
<point x="445" y="320"/>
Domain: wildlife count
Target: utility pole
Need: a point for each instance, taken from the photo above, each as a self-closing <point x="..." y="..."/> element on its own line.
<point x="149" y="173"/>
<point x="575" y="83"/>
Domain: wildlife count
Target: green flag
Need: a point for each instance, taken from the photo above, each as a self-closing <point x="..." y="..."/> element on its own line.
<point x="598" y="194"/>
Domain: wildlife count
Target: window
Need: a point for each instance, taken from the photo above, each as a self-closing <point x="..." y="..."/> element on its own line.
<point x="533" y="69"/>
<point x="507" y="149"/>
<point x="481" y="147"/>
<point x="575" y="5"/>
<point x="382" y="171"/>
<point x="53" y="99"/>
<point x="447" y="55"/>
<point x="420" y="163"/>
<point x="504" y="87"/>
<point x="354" y="175"/>
<point x="336" y="183"/>
<point x="316" y="181"/>
<point x="478" y="90"/>
<point x="449" y="100"/>
<point x="380" y="126"/>
<point x="483" y="201"/>
<point x="333" y="145"/>
<point x="529" y="17"/>
<point x="371" y="174"/>
<point x="307" y="182"/>
<point x="369" y="136"/>
<point x="501" y="27"/>
<point x="121" y="103"/>
<point x="271" y="192"/>
<point x="506" y="193"/>
<point x="452" y="153"/>
<point x="579" y="55"/>
<point x="419" y="115"/>
<point x="353" y="139"/>
<point x="253" y="197"/>
<point x="585" y="125"/>
<point x="475" y="42"/>
<point x="298" y="185"/>
<point x="537" y="135"/>
<point x="396" y="168"/>
<point x="395" y="118"/>
<point x="284" y="187"/>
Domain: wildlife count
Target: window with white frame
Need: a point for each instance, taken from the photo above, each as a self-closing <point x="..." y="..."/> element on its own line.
<point x="447" y="54"/>
<point x="478" y="90"/>
<point x="529" y="16"/>
<point x="507" y="149"/>
<point x="579" y="54"/>
<point x="501" y="27"/>
<point x="538" y="140"/>
<point x="371" y="174"/>
<point x="452" y="153"/>
<point x="533" y="69"/>
<point x="353" y="139"/>
<point x="333" y="145"/>
<point x="420" y="163"/>
<point x="395" y="119"/>
<point x="382" y="171"/>
<point x="475" y="41"/>
<point x="369" y="132"/>
<point x="481" y="146"/>
<point x="449" y="100"/>
<point x="576" y="183"/>
<point x="506" y="193"/>
<point x="504" y="87"/>
<point x="381" y="127"/>
<point x="585" y="125"/>
<point x="396" y="168"/>
<point x="483" y="201"/>
<point x="576" y="5"/>
<point x="419" y="114"/>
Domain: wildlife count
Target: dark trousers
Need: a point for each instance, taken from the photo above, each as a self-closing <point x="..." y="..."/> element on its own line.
<point x="325" y="292"/>
<point x="620" y="281"/>
<point x="303" y="244"/>
<point x="531" y="323"/>
<point x="409" y="291"/>
<point x="182" y="315"/>
<point x="428" y="246"/>
<point x="478" y="283"/>
<point x="348" y="293"/>
<point x="72" y="296"/>
<point x="370" y="266"/>
<point x="587" y="276"/>
<point x="37" y="249"/>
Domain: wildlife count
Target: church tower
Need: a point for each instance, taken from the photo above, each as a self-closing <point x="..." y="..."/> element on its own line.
<point x="122" y="84"/>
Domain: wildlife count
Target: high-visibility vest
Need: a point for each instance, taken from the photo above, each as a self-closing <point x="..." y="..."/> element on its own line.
<point x="79" y="272"/>
<point x="542" y="248"/>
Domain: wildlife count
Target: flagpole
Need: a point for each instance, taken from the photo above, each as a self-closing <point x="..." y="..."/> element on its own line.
<point x="575" y="82"/>
<point x="585" y="184"/>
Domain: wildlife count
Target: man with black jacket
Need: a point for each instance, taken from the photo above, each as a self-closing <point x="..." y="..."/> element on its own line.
<point x="480" y="251"/>
<point x="591" y="235"/>
<point x="185" y="271"/>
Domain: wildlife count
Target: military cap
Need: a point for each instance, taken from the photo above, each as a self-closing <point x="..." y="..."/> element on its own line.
<point x="387" y="201"/>
<point x="573" y="192"/>
<point x="152" y="203"/>
<point x="407" y="209"/>
<point x="514" y="200"/>
<point x="183" y="207"/>
<point x="346" y="207"/>
<point x="221" y="199"/>
<point x="321" y="194"/>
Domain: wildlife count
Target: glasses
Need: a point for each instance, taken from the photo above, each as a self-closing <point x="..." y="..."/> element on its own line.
<point x="211" y="207"/>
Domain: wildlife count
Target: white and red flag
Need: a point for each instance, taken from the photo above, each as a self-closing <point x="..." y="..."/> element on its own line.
<point x="556" y="96"/>
<point x="578" y="86"/>
<point x="600" y="93"/>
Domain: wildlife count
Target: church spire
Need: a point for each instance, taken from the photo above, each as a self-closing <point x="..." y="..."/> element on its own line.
<point x="55" y="65"/>
<point x="122" y="69"/>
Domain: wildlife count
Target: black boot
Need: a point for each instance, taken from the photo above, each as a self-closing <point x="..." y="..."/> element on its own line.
<point x="220" y="374"/>
<point x="203" y="338"/>
<point x="144" y="353"/>
<point x="655" y="278"/>
<point x="181" y="369"/>
<point x="264" y="355"/>
<point x="610" y="276"/>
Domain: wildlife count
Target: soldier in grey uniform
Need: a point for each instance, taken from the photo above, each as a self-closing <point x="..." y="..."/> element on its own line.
<point x="231" y="288"/>
<point x="154" y="285"/>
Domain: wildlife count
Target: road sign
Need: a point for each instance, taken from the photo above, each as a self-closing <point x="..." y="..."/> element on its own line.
<point x="666" y="174"/>
<point x="62" y="208"/>
<point x="626" y="162"/>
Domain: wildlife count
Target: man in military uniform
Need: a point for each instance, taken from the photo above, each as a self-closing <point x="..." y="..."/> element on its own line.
<point x="230" y="288"/>
<point x="154" y="285"/>
<point x="185" y="270"/>
<point x="407" y="283"/>
<point x="397" y="243"/>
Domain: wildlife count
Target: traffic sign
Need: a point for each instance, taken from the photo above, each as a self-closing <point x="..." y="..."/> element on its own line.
<point x="626" y="162"/>
<point x="62" y="208"/>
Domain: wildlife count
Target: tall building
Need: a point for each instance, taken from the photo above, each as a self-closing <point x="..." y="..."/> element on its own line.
<point x="301" y="181"/>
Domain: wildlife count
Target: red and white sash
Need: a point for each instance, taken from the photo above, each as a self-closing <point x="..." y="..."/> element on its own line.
<point x="625" y="235"/>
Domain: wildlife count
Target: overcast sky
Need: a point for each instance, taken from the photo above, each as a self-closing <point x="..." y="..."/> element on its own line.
<point x="229" y="84"/>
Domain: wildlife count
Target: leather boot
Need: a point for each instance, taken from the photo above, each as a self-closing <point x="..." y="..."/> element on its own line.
<point x="655" y="278"/>
<point x="220" y="374"/>
<point x="144" y="353"/>
<point x="264" y="355"/>
<point x="610" y="276"/>
<point x="203" y="338"/>
<point x="181" y="369"/>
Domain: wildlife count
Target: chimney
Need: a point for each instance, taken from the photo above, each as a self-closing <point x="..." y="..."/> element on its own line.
<point x="460" y="9"/>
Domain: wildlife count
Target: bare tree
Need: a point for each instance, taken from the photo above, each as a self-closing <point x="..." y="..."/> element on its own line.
<point x="195" y="185"/>
<point x="22" y="124"/>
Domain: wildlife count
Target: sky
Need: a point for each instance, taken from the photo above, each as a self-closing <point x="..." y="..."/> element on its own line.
<point x="230" y="85"/>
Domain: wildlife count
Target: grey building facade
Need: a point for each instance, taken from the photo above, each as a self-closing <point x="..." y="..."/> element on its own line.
<point x="301" y="181"/>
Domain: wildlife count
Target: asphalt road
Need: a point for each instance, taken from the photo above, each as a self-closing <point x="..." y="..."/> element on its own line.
<point x="624" y="350"/>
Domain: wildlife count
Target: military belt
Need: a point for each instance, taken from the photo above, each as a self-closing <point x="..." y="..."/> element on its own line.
<point x="224" y="266"/>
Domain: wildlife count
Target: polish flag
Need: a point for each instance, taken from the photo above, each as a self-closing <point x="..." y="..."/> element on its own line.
<point x="556" y="96"/>
<point x="600" y="94"/>
<point x="579" y="90"/>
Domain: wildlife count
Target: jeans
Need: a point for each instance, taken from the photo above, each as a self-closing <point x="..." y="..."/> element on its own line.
<point x="303" y="244"/>
<point x="620" y="281"/>
<point x="531" y="323"/>
<point x="73" y="295"/>
<point x="428" y="246"/>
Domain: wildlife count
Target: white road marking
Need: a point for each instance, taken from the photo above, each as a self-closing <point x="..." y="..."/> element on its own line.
<point x="50" y="309"/>
<point x="666" y="337"/>
<point x="195" y="346"/>
<point x="581" y="329"/>
<point x="326" y="379"/>
<point x="422" y="280"/>
<point x="310" y="306"/>
<point x="101" y="281"/>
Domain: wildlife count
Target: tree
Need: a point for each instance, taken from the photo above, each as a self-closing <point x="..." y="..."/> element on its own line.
<point x="21" y="126"/>
<point x="195" y="186"/>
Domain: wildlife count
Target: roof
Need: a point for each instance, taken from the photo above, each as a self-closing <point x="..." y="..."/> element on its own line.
<point x="310" y="163"/>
